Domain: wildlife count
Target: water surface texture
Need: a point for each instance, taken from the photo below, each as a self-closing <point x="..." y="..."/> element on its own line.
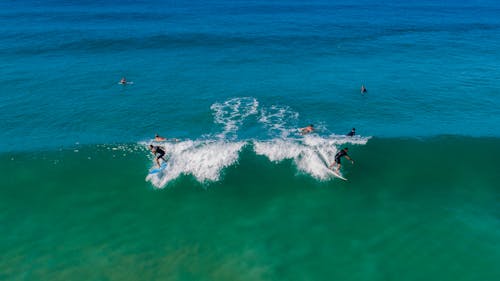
<point x="244" y="195"/>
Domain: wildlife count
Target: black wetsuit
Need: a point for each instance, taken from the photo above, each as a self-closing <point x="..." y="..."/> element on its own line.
<point x="339" y="155"/>
<point x="158" y="152"/>
<point x="351" y="133"/>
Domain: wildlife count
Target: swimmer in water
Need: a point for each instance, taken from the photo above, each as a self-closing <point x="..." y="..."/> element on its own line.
<point x="363" y="89"/>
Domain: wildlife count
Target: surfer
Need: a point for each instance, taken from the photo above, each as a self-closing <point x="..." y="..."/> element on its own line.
<point x="307" y="129"/>
<point x="123" y="81"/>
<point x="363" y="89"/>
<point x="158" y="138"/>
<point x="158" y="152"/>
<point x="352" y="132"/>
<point x="340" y="154"/>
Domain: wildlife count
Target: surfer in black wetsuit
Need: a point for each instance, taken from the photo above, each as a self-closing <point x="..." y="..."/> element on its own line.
<point x="340" y="154"/>
<point x="352" y="133"/>
<point x="158" y="152"/>
<point x="363" y="89"/>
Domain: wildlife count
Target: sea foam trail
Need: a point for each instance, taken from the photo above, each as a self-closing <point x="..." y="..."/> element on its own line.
<point x="232" y="113"/>
<point x="277" y="120"/>
<point x="206" y="159"/>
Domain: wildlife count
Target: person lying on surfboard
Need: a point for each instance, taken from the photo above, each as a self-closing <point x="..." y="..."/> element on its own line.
<point x="159" y="153"/>
<point x="307" y="129"/>
<point x="158" y="138"/>
<point x="340" y="154"/>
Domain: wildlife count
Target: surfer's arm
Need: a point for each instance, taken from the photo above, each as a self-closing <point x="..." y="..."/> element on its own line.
<point x="349" y="158"/>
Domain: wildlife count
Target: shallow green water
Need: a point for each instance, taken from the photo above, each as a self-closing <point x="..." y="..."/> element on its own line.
<point x="411" y="210"/>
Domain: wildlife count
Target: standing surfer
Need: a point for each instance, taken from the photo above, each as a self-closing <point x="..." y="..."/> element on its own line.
<point x="338" y="156"/>
<point x="159" y="153"/>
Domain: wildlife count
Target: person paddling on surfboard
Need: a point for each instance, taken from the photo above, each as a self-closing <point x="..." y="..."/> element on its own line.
<point x="158" y="138"/>
<point x="307" y="129"/>
<point x="159" y="153"/>
<point x="340" y="154"/>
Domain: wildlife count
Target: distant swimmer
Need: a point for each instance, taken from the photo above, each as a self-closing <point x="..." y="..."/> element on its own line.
<point x="158" y="138"/>
<point x="340" y="154"/>
<point x="158" y="152"/>
<point x="352" y="132"/>
<point x="307" y="129"/>
<point x="124" y="81"/>
<point x="363" y="89"/>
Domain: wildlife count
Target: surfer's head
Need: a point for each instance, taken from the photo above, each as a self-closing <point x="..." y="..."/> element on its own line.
<point x="345" y="149"/>
<point x="151" y="146"/>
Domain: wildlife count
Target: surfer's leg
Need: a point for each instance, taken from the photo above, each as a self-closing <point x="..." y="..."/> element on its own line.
<point x="164" y="160"/>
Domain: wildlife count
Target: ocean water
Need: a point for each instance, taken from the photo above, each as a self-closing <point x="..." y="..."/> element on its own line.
<point x="244" y="195"/>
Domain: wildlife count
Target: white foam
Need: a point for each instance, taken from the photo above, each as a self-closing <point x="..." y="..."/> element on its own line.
<point x="277" y="120"/>
<point x="232" y="113"/>
<point x="304" y="155"/>
<point x="278" y="149"/>
<point x="205" y="160"/>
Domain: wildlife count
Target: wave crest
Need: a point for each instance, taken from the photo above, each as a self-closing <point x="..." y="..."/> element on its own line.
<point x="206" y="159"/>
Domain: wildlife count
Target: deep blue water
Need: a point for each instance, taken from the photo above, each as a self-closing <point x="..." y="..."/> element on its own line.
<point x="431" y="68"/>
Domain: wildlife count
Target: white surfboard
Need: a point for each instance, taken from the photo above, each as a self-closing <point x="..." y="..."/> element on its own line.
<point x="332" y="172"/>
<point x="126" y="83"/>
<point x="335" y="174"/>
<point x="172" y="140"/>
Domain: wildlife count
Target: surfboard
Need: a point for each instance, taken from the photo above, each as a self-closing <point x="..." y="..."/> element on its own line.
<point x="172" y="140"/>
<point x="332" y="172"/>
<point x="126" y="83"/>
<point x="157" y="170"/>
<point x="336" y="174"/>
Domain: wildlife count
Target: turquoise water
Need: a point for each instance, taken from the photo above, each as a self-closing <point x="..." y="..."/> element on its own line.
<point x="430" y="68"/>
<point x="90" y="215"/>
<point x="245" y="196"/>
